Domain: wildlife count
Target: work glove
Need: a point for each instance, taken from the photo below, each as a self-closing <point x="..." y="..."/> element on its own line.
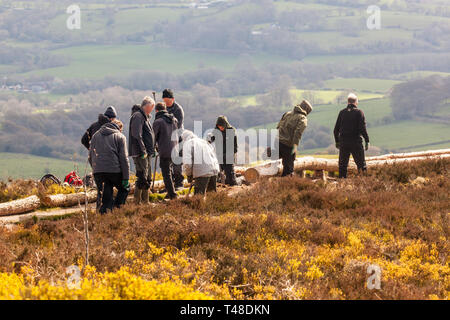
<point x="338" y="145"/>
<point x="190" y="179"/>
<point x="294" y="148"/>
<point x="155" y="154"/>
<point x="367" y="146"/>
<point x="144" y="156"/>
<point x="126" y="184"/>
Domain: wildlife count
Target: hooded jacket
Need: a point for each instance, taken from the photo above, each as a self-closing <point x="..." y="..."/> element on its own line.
<point x="86" y="139"/>
<point x="351" y="126"/>
<point x="166" y="136"/>
<point x="108" y="152"/>
<point x="292" y="125"/>
<point x="225" y="141"/>
<point x="142" y="137"/>
<point x="199" y="158"/>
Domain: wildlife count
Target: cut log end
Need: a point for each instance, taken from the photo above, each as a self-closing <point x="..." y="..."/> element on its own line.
<point x="251" y="175"/>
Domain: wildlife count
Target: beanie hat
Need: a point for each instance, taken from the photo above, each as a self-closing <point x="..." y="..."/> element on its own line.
<point x="306" y="106"/>
<point x="111" y="112"/>
<point x="168" y="93"/>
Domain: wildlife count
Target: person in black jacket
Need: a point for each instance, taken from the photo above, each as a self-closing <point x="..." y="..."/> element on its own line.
<point x="348" y="133"/>
<point x="166" y="137"/>
<point x="225" y="139"/>
<point x="109" y="115"/>
<point x="174" y="108"/>
<point x="142" y="148"/>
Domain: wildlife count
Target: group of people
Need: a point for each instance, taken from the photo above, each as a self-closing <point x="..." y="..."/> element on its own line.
<point x="165" y="139"/>
<point x="202" y="161"/>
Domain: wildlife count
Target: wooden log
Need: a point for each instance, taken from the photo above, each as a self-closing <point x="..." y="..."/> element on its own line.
<point x="68" y="200"/>
<point x="20" y="206"/>
<point x="273" y="168"/>
<point x="379" y="163"/>
<point x="430" y="153"/>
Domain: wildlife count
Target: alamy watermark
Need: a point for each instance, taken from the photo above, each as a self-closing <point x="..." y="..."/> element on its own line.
<point x="374" y="20"/>
<point x="74" y="277"/>
<point x="374" y="280"/>
<point x="253" y="145"/>
<point x="73" y="22"/>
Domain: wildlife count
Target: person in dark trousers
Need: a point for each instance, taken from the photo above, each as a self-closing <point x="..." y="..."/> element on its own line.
<point x="109" y="115"/>
<point x="200" y="163"/>
<point x="108" y="157"/>
<point x="166" y="137"/>
<point x="174" y="108"/>
<point x="142" y="148"/>
<point x="348" y="133"/>
<point x="290" y="131"/>
<point x="225" y="139"/>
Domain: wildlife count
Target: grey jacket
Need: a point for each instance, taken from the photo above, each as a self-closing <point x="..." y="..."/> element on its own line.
<point x="108" y="151"/>
<point x="166" y="137"/>
<point x="142" y="137"/>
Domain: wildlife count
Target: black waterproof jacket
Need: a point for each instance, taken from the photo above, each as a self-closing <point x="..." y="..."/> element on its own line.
<point x="351" y="126"/>
<point x="226" y="150"/>
<point x="141" y="137"/>
<point x="166" y="136"/>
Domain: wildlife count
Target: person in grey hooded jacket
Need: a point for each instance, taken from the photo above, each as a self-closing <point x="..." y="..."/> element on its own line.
<point x="108" y="157"/>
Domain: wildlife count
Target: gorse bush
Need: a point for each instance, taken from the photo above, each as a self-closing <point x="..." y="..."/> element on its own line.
<point x="282" y="238"/>
<point x="111" y="286"/>
<point x="13" y="190"/>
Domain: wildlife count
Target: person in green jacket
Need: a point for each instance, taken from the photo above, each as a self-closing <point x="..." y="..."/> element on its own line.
<point x="290" y="130"/>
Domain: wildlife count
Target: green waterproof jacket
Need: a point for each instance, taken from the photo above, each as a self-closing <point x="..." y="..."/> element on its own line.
<point x="291" y="126"/>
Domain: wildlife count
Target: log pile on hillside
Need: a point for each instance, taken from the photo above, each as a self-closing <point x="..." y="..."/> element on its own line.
<point x="273" y="168"/>
<point x="251" y="175"/>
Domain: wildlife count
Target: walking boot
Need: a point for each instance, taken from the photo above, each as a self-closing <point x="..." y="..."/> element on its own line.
<point x="145" y="196"/>
<point x="137" y="196"/>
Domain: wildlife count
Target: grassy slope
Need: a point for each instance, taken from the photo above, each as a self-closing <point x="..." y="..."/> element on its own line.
<point x="13" y="165"/>
<point x="284" y="238"/>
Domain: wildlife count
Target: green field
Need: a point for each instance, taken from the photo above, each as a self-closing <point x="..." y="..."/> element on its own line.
<point x="13" y="165"/>
<point x="361" y="84"/>
<point x="96" y="62"/>
<point x="325" y="115"/>
<point x="314" y="96"/>
<point x="420" y="74"/>
<point x="410" y="134"/>
<point x="401" y="135"/>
